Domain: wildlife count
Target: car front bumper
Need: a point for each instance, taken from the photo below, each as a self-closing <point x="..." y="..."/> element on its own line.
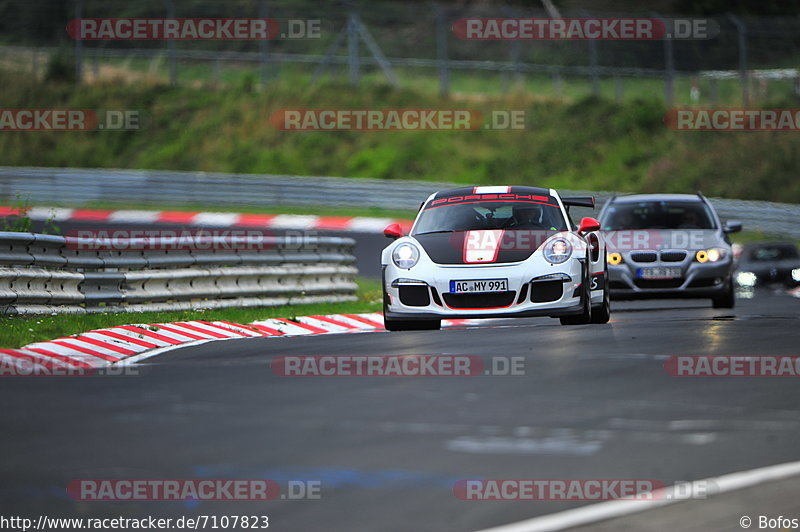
<point x="697" y="280"/>
<point x="519" y="298"/>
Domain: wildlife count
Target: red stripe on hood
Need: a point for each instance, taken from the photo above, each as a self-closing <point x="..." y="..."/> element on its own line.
<point x="482" y="246"/>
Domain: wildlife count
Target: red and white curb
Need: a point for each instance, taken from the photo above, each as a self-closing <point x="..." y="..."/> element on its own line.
<point x="128" y="344"/>
<point x="310" y="222"/>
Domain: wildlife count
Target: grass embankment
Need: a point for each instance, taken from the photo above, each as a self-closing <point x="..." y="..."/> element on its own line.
<point x="590" y="143"/>
<point x="22" y="330"/>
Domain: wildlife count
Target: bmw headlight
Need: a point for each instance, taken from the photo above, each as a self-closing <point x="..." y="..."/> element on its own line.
<point x="709" y="255"/>
<point x="405" y="255"/>
<point x="557" y="251"/>
<point x="796" y="275"/>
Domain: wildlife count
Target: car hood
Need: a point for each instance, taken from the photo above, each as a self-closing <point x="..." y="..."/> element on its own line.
<point x="495" y="246"/>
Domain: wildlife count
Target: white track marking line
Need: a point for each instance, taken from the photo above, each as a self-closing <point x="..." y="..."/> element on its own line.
<point x="222" y="219"/>
<point x="288" y="329"/>
<point x="45" y="213"/>
<point x="603" y="511"/>
<point x="330" y="327"/>
<point x="144" y="217"/>
<point x="69" y="353"/>
<point x="364" y="224"/>
<point x="81" y="343"/>
<point x="294" y="221"/>
<point x="240" y="328"/>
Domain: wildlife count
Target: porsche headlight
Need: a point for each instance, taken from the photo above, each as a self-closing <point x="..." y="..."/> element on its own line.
<point x="405" y="255"/>
<point x="557" y="251"/>
<point x="746" y="279"/>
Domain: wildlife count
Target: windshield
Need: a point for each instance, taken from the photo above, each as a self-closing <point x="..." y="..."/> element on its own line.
<point x="658" y="215"/>
<point x="472" y="216"/>
<point x="773" y="253"/>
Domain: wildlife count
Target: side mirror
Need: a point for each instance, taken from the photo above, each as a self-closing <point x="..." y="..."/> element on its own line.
<point x="588" y="225"/>
<point x="393" y="231"/>
<point x="732" y="226"/>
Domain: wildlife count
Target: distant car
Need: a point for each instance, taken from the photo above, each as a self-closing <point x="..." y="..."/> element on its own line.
<point x="668" y="245"/>
<point x="765" y="263"/>
<point x="495" y="251"/>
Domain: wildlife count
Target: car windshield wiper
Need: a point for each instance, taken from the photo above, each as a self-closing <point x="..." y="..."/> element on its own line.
<point x="442" y="231"/>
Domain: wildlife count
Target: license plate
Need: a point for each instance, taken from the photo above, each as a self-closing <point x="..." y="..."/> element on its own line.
<point x="658" y="273"/>
<point x="482" y="285"/>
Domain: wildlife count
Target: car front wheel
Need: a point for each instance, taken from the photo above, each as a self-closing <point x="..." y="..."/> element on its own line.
<point x="727" y="299"/>
<point x="586" y="299"/>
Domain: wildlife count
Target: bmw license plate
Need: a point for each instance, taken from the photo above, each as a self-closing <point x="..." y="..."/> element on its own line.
<point x="478" y="285"/>
<point x="659" y="273"/>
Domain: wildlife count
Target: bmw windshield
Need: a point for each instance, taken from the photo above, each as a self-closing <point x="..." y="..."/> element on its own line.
<point x="454" y="216"/>
<point x="658" y="215"/>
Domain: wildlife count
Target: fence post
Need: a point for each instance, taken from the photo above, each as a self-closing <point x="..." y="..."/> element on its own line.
<point x="352" y="47"/>
<point x="741" y="29"/>
<point x="669" y="65"/>
<point x="558" y="83"/>
<point x="173" y="61"/>
<point x="593" y="60"/>
<point x="712" y="91"/>
<point x="35" y="65"/>
<point x="78" y="45"/>
<point x="441" y="50"/>
<point x="618" y="89"/>
<point x="515" y="48"/>
<point x="263" y="46"/>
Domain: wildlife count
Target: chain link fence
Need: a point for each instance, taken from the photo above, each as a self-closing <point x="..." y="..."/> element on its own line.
<point x="414" y="45"/>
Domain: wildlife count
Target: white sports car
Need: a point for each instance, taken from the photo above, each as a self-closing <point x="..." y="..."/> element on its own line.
<point x="495" y="251"/>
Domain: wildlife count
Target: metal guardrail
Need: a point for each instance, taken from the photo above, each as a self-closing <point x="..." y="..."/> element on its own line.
<point x="77" y="186"/>
<point x="51" y="274"/>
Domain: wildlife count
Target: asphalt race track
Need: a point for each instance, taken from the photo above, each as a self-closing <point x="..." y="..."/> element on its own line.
<point x="594" y="402"/>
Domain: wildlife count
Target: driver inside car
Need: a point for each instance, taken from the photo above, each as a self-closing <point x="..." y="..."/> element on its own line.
<point x="527" y="216"/>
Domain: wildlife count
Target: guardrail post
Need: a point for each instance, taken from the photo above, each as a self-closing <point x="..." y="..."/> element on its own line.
<point x="741" y="30"/>
<point x="441" y="50"/>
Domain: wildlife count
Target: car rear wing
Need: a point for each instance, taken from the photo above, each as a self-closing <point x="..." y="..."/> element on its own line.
<point x="579" y="201"/>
